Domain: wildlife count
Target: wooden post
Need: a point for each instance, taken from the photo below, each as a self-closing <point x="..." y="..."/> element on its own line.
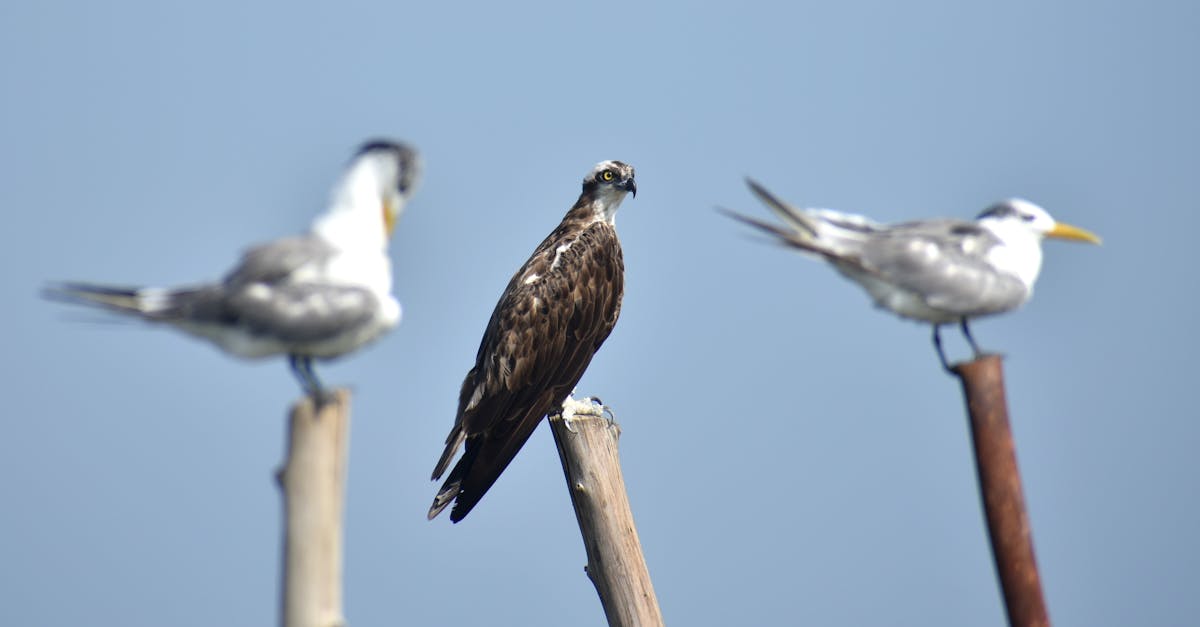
<point x="313" y="481"/>
<point x="587" y="446"/>
<point x="1000" y="487"/>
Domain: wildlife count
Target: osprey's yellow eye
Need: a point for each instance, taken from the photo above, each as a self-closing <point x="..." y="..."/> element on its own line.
<point x="607" y="175"/>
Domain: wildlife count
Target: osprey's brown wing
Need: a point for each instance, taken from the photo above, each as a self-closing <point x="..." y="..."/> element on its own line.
<point x="557" y="311"/>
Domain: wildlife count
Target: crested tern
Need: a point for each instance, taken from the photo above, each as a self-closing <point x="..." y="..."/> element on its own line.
<point x="941" y="271"/>
<point x="318" y="295"/>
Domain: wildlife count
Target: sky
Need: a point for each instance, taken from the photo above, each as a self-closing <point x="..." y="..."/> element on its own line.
<point x="793" y="455"/>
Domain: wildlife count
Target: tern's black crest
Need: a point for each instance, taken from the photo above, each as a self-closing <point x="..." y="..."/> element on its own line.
<point x="408" y="159"/>
<point x="1004" y="209"/>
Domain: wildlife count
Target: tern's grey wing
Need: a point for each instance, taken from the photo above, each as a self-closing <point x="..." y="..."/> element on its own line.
<point x="302" y="312"/>
<point x="273" y="261"/>
<point x="258" y="295"/>
<point x="945" y="262"/>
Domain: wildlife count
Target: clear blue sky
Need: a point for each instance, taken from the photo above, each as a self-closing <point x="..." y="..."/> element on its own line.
<point x="793" y="455"/>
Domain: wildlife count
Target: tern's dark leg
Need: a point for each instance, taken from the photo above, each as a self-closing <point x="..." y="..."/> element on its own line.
<point x="302" y="366"/>
<point x="970" y="340"/>
<point x="319" y="392"/>
<point x="937" y="343"/>
<point x="298" y="369"/>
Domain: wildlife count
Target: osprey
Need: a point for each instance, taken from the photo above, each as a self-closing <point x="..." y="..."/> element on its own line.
<point x="318" y="295"/>
<point x="555" y="313"/>
<point x="940" y="271"/>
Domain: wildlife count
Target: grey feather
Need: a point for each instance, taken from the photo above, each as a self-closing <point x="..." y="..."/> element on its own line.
<point x="929" y="259"/>
<point x="300" y="313"/>
<point x="273" y="261"/>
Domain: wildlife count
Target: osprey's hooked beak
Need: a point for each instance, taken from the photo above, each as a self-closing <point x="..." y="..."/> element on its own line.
<point x="630" y="186"/>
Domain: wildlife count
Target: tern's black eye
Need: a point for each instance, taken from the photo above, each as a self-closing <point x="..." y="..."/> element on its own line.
<point x="1026" y="217"/>
<point x="607" y="175"/>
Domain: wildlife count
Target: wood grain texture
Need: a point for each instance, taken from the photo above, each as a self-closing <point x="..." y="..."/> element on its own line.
<point x="587" y="446"/>
<point x="313" y="482"/>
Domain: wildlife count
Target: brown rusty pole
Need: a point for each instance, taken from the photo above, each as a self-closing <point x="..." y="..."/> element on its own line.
<point x="1000" y="487"/>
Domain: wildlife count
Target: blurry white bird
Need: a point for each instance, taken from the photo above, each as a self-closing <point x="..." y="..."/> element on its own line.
<point x="940" y="271"/>
<point x="318" y="295"/>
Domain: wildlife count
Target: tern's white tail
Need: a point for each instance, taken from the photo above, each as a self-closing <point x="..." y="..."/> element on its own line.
<point x="824" y="232"/>
<point x="151" y="303"/>
<point x="806" y="228"/>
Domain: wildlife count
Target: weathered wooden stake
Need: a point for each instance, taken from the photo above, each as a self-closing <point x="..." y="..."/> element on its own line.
<point x="587" y="446"/>
<point x="313" y="481"/>
<point x="1000" y="487"/>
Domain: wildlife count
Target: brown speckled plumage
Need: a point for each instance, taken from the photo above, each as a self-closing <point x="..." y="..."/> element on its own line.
<point x="555" y="313"/>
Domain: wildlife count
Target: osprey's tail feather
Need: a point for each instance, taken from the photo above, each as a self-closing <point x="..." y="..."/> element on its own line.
<point x="453" y="487"/>
<point x="453" y="441"/>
